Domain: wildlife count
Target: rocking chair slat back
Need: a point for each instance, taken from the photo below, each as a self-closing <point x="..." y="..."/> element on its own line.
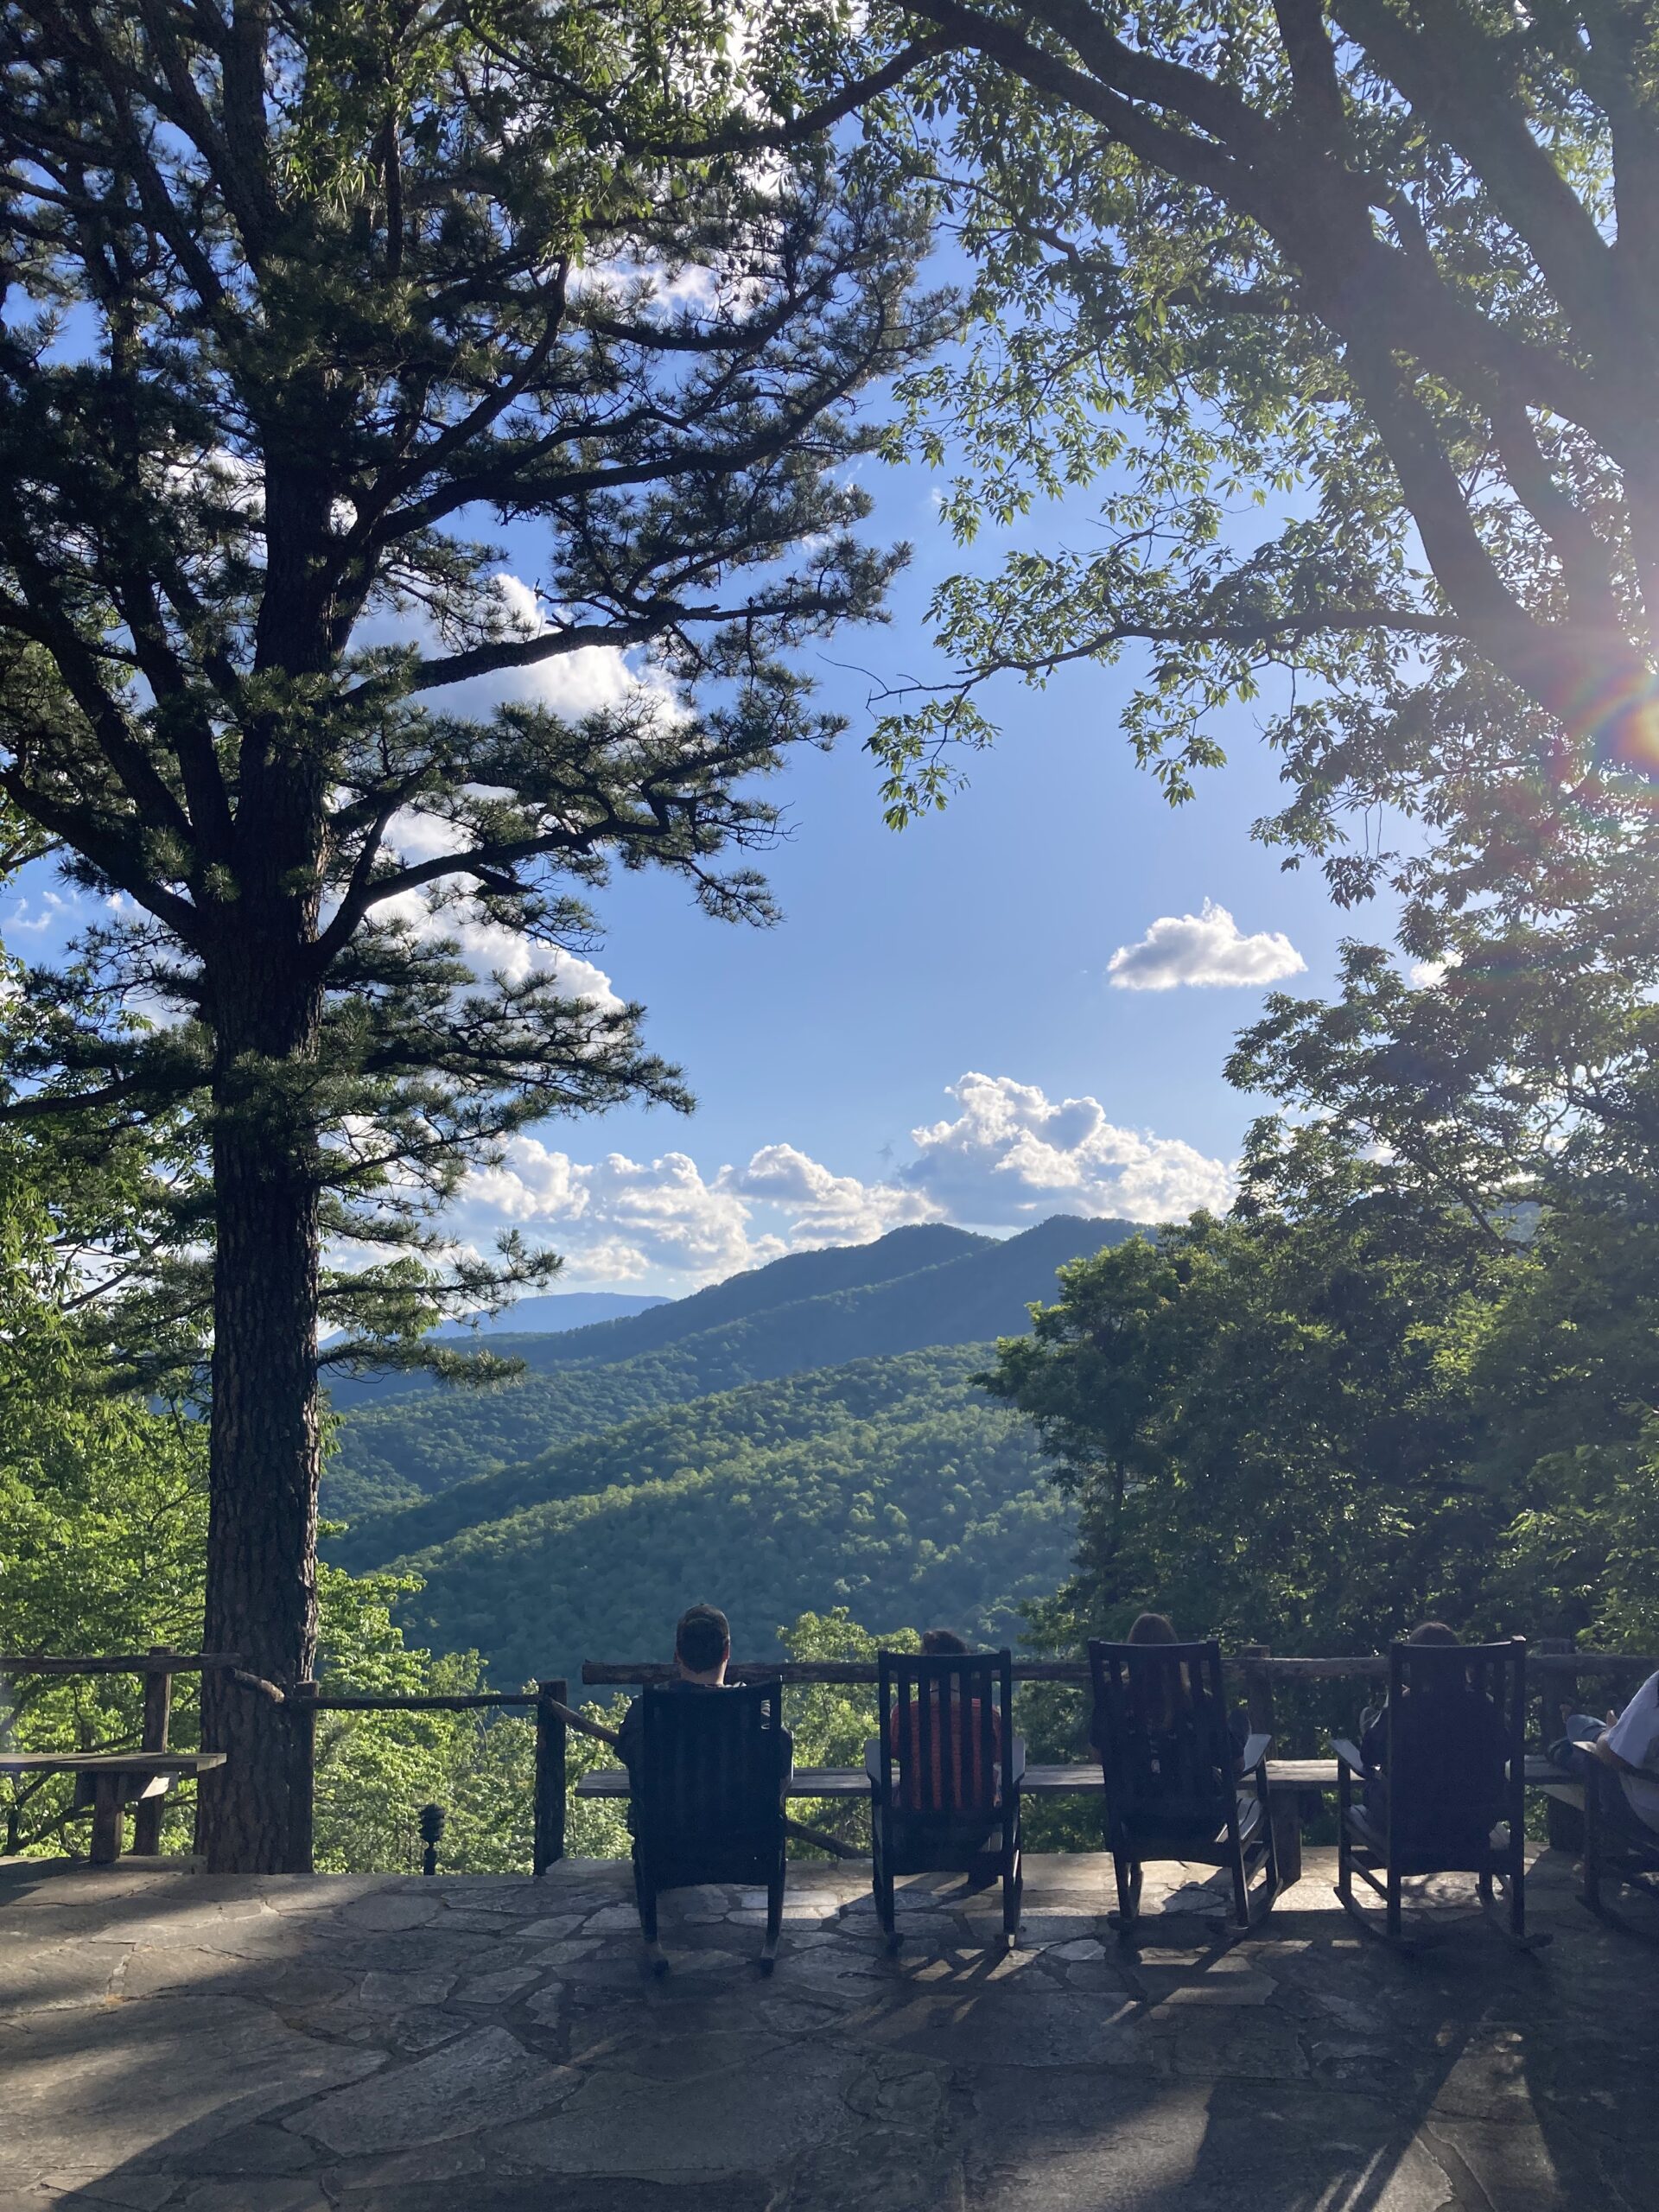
<point x="711" y="1769"/>
<point x="1160" y="1725"/>
<point x="947" y="1741"/>
<point x="1456" y="1758"/>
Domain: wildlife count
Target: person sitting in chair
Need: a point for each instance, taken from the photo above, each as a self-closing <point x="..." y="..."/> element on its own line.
<point x="703" y="1650"/>
<point x="1158" y="1628"/>
<point x="1462" y="1722"/>
<point x="708" y="1764"/>
<point x="961" y="1759"/>
<point x="1619" y="1760"/>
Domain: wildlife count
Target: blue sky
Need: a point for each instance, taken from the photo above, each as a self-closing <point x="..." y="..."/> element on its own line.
<point x="955" y="980"/>
<point x="975" y="944"/>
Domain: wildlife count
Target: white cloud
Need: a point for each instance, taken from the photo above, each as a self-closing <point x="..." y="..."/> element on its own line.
<point x="1206" y="947"/>
<point x="490" y="949"/>
<point x="1429" y="975"/>
<point x="55" y="912"/>
<point x="825" y="1208"/>
<point x="1013" y="1156"/>
<point x="568" y="684"/>
<point x="1010" y="1158"/>
<point x="618" y="1219"/>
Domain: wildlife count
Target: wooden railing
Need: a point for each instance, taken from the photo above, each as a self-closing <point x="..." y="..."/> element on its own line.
<point x="1252" y="1659"/>
<point x="1254" y="1669"/>
<point x="306" y="1700"/>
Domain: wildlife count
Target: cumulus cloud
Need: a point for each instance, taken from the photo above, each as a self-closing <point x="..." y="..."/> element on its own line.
<point x="825" y="1208"/>
<point x="1012" y="1155"/>
<point x="1205" y="948"/>
<point x="618" y="1219"/>
<point x="54" y="914"/>
<point x="1008" y="1158"/>
<point x="1429" y="975"/>
<point x="490" y="949"/>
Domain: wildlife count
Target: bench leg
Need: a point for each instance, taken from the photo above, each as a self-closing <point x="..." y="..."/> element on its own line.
<point x="106" y="1821"/>
<point x="1286" y="1818"/>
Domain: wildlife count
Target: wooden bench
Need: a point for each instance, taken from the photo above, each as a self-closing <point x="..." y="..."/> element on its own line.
<point x="107" y="1781"/>
<point x="1287" y="1779"/>
<point x="1286" y="1775"/>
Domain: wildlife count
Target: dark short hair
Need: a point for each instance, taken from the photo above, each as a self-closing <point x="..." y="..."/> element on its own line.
<point x="944" y="1643"/>
<point x="703" y="1638"/>
<point x="1153" y="1628"/>
<point x="1433" y="1632"/>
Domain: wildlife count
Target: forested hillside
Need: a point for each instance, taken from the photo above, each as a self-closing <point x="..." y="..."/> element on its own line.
<point x="892" y="1487"/>
<point x="870" y="1300"/>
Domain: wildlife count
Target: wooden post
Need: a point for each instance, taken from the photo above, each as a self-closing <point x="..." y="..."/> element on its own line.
<point x="158" y="1716"/>
<point x="550" y="1775"/>
<point x="106" y="1819"/>
<point x="1285" y="1807"/>
<point x="301" y="1713"/>
<point x="1563" y="1823"/>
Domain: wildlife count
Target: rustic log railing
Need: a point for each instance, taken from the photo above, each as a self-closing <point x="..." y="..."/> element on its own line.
<point x="306" y="1700"/>
<point x="1258" y="1658"/>
<point x="1254" y="1669"/>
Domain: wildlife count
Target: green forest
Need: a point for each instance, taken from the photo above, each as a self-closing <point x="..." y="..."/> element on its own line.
<point x="891" y="1487"/>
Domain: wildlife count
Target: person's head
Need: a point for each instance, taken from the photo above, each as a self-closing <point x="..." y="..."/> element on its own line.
<point x="944" y="1643"/>
<point x="1153" y="1628"/>
<point x="1432" y="1632"/>
<point x="703" y="1642"/>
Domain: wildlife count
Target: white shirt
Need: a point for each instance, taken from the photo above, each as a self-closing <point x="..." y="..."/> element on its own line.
<point x="1635" y="1737"/>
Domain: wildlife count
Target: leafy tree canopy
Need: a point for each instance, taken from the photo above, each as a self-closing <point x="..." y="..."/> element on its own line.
<point x="1390" y="261"/>
<point x="298" y="304"/>
<point x="1312" y="1429"/>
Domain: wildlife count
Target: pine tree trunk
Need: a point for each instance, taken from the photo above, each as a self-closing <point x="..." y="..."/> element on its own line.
<point x="264" y="1455"/>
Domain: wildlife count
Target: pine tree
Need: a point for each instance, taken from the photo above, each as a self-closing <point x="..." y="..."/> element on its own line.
<point x="295" y="301"/>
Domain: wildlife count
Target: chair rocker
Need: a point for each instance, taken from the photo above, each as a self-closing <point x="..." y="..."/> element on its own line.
<point x="1174" y="1788"/>
<point x="708" y="1800"/>
<point x="1454" y="1770"/>
<point x="945" y="1778"/>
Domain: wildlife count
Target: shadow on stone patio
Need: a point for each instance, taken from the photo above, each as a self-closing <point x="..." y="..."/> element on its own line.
<point x="387" y="2044"/>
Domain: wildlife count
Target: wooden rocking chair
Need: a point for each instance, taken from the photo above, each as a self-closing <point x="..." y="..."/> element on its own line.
<point x="709" y="1800"/>
<point x="1174" y="1787"/>
<point x="1454" y="1770"/>
<point x="945" y="1777"/>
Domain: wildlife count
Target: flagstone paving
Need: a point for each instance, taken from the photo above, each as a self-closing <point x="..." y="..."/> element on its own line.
<point x="387" y="2044"/>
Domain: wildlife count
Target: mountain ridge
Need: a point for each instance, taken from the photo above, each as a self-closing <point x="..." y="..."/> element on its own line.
<point x="392" y="1457"/>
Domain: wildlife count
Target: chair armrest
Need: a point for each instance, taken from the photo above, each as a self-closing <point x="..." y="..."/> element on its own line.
<point x="1349" y="1754"/>
<point x="872" y="1757"/>
<point x="1256" y="1748"/>
<point x="1019" y="1758"/>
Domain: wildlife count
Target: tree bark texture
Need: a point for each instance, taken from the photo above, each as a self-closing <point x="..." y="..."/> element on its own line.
<point x="264" y="1457"/>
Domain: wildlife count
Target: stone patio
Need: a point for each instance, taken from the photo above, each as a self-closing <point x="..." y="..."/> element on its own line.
<point x="385" y="2045"/>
